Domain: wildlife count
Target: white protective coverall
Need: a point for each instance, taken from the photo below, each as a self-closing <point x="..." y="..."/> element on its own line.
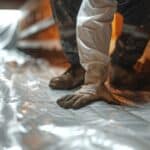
<point x="93" y="38"/>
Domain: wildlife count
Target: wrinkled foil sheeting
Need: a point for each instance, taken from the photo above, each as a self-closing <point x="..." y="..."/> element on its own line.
<point x="30" y="119"/>
<point x="8" y="27"/>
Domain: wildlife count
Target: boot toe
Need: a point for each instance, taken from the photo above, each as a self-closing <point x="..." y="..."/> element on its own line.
<point x="72" y="78"/>
<point x="56" y="83"/>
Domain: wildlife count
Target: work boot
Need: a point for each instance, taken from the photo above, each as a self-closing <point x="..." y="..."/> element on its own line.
<point x="72" y="78"/>
<point x="86" y="96"/>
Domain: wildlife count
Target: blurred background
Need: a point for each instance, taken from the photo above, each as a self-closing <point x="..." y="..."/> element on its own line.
<point x="28" y="25"/>
<point x="30" y="119"/>
<point x="9" y="4"/>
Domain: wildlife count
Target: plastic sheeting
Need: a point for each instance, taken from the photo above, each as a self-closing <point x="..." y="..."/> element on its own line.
<point x="30" y="119"/>
<point x="8" y="25"/>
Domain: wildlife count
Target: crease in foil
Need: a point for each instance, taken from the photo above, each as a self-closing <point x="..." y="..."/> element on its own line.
<point x="30" y="119"/>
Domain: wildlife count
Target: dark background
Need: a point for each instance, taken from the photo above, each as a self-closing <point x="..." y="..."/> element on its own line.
<point x="11" y="4"/>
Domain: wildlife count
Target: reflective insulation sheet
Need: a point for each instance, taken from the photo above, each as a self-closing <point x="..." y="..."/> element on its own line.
<point x="30" y="119"/>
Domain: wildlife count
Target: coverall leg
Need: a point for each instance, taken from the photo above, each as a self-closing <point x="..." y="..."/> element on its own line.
<point x="93" y="38"/>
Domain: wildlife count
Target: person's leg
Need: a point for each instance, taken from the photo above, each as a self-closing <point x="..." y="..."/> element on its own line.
<point x="129" y="10"/>
<point x="65" y="13"/>
<point x="93" y="37"/>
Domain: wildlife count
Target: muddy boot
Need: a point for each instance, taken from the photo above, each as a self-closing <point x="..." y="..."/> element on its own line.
<point x="72" y="78"/>
<point x="87" y="95"/>
<point x="90" y="91"/>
